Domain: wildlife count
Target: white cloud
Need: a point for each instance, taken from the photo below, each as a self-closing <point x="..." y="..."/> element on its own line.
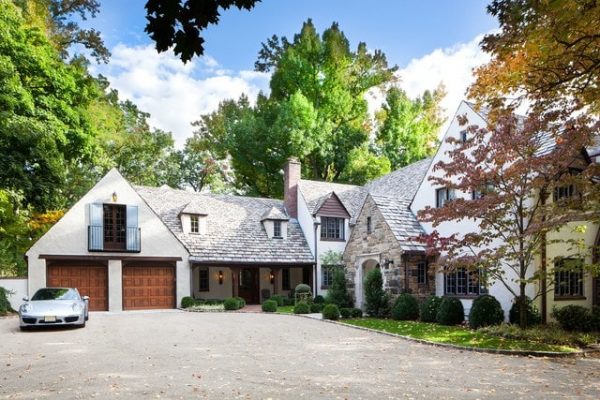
<point x="451" y="66"/>
<point x="175" y="94"/>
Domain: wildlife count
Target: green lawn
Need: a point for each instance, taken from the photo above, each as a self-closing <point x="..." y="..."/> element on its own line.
<point x="455" y="335"/>
<point x="286" y="309"/>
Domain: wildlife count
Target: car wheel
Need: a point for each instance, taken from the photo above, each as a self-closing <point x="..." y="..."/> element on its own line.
<point x="87" y="317"/>
<point x="82" y="325"/>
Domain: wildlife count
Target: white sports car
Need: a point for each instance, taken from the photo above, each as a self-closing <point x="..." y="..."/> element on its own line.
<point x="54" y="306"/>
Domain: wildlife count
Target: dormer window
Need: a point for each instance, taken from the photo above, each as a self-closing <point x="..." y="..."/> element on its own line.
<point x="194" y="224"/>
<point x="277" y="229"/>
<point x="332" y="228"/>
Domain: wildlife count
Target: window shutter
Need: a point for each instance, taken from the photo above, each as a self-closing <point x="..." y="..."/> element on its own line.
<point x="133" y="241"/>
<point x="96" y="230"/>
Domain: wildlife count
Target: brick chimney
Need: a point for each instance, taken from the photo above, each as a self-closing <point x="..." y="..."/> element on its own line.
<point x="291" y="176"/>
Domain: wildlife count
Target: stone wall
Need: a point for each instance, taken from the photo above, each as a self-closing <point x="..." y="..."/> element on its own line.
<point x="367" y="249"/>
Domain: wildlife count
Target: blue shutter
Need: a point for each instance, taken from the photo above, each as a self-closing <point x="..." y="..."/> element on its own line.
<point x="133" y="236"/>
<point x="96" y="229"/>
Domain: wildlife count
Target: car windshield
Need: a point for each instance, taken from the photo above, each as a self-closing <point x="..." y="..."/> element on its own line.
<point x="56" y="294"/>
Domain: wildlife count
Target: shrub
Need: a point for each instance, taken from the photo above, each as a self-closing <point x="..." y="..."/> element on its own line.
<point x="269" y="306"/>
<point x="241" y="302"/>
<point x="429" y="309"/>
<point x="376" y="300"/>
<point x="5" y="306"/>
<point x="573" y="318"/>
<point x="357" y="313"/>
<point x="302" y="288"/>
<point x="231" y="304"/>
<point x="331" y="311"/>
<point x="596" y="318"/>
<point x="213" y="302"/>
<point x="302" y="308"/>
<point x="316" y="308"/>
<point x="485" y="311"/>
<point x="288" y="302"/>
<point x="451" y="312"/>
<point x="278" y="299"/>
<point x="346" y="312"/>
<point x="186" y="302"/>
<point x="319" y="299"/>
<point x="303" y="293"/>
<point x="406" y="308"/>
<point x="549" y="334"/>
<point x="338" y="293"/>
<point x="533" y="315"/>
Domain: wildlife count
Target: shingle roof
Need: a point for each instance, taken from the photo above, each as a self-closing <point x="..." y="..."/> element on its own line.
<point x="274" y="213"/>
<point x="193" y="207"/>
<point x="403" y="182"/>
<point x="403" y="223"/>
<point x="316" y="192"/>
<point x="234" y="232"/>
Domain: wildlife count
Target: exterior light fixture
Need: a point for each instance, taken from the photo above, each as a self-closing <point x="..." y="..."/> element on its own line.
<point x="220" y="277"/>
<point x="272" y="277"/>
<point x="114" y="197"/>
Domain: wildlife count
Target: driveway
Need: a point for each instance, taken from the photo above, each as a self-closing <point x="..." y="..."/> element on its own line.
<point x="257" y="356"/>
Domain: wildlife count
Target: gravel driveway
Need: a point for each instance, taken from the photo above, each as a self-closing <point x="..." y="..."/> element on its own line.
<point x="257" y="356"/>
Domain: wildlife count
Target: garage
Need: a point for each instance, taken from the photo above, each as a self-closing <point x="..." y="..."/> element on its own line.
<point x="89" y="279"/>
<point x="148" y="286"/>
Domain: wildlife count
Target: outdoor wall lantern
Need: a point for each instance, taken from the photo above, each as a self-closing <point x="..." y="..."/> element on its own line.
<point x="388" y="262"/>
<point x="114" y="197"/>
<point x="272" y="277"/>
<point x="220" y="277"/>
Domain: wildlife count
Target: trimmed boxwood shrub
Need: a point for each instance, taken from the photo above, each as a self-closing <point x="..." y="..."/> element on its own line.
<point x="331" y="311"/>
<point x="485" y="311"/>
<point x="316" y="308"/>
<point x="573" y="318"/>
<point x="319" y="299"/>
<point x="406" y="308"/>
<point x="269" y="306"/>
<point x="186" y="302"/>
<point x="346" y="312"/>
<point x="302" y="308"/>
<point x="241" y="302"/>
<point x="302" y="288"/>
<point x="429" y="309"/>
<point x="533" y="315"/>
<point x="357" y="313"/>
<point x="231" y="304"/>
<point x="278" y="299"/>
<point x="451" y="312"/>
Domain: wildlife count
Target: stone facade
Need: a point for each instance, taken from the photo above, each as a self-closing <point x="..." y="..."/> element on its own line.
<point x="365" y="251"/>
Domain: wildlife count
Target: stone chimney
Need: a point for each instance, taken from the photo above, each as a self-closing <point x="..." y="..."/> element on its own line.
<point x="291" y="176"/>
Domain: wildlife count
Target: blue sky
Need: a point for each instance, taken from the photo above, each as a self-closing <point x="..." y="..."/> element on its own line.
<point x="431" y="41"/>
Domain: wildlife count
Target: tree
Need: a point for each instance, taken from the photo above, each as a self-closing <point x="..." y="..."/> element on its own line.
<point x="364" y="165"/>
<point x="408" y="129"/>
<point x="179" y="24"/>
<point x="513" y="166"/>
<point x="376" y="299"/>
<point x="545" y="52"/>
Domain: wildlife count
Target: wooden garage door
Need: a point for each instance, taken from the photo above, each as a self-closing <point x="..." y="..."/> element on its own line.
<point x="90" y="280"/>
<point x="148" y="286"/>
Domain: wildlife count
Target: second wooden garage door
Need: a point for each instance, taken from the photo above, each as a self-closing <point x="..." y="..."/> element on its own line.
<point x="148" y="287"/>
<point x="90" y="280"/>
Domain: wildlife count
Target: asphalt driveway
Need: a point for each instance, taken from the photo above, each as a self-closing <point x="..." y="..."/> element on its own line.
<point x="257" y="356"/>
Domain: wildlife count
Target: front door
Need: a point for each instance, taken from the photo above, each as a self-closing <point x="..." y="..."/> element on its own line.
<point x="249" y="285"/>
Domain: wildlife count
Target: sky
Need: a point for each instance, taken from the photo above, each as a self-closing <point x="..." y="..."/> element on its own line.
<point x="430" y="41"/>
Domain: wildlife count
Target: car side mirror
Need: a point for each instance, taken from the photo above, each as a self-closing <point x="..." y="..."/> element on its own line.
<point x="85" y="298"/>
<point x="25" y="298"/>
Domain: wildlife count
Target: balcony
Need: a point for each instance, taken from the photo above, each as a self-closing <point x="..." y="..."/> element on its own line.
<point x="131" y="243"/>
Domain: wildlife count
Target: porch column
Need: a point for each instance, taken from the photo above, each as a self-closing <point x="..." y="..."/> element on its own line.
<point x="276" y="280"/>
<point x="235" y="281"/>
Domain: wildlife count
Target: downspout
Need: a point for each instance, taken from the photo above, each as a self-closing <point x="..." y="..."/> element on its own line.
<point x="543" y="265"/>
<point x="316" y="225"/>
<point x="405" y="257"/>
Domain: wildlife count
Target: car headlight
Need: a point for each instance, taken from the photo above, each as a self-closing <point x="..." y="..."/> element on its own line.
<point x="26" y="307"/>
<point x="77" y="307"/>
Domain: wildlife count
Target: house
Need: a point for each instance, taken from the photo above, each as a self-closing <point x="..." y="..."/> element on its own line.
<point x="143" y="248"/>
<point x="572" y="288"/>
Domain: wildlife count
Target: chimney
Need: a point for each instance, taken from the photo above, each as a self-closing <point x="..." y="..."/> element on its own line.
<point x="291" y="176"/>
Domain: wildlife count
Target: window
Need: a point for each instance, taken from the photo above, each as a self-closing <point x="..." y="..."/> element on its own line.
<point x="115" y="231"/>
<point x="481" y="193"/>
<point x="462" y="282"/>
<point x="463" y="136"/>
<point x="563" y="192"/>
<point x="422" y="272"/>
<point x="568" y="278"/>
<point x="443" y="195"/>
<point x="326" y="275"/>
<point x="332" y="228"/>
<point x="277" y="229"/>
<point x="203" y="283"/>
<point x="285" y="279"/>
<point x="194" y="224"/>
<point x="369" y="229"/>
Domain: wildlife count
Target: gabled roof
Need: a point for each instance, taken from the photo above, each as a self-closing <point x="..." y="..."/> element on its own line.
<point x="316" y="193"/>
<point x="234" y="232"/>
<point x="403" y="182"/>
<point x="323" y="200"/>
<point x="401" y="220"/>
<point x="193" y="207"/>
<point x="274" y="213"/>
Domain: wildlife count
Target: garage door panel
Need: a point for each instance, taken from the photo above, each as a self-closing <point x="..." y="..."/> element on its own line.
<point x="148" y="287"/>
<point x="90" y="280"/>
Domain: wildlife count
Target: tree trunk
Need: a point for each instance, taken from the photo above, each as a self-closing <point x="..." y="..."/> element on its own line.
<point x="522" y="306"/>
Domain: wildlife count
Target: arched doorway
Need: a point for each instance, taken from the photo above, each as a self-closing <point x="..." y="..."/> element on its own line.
<point x="364" y="266"/>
